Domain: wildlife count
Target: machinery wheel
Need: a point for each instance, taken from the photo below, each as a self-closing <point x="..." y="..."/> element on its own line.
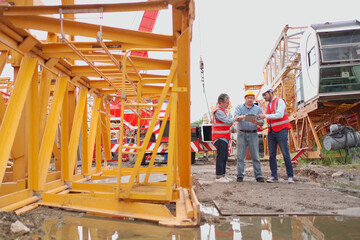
<point x="193" y="157"/>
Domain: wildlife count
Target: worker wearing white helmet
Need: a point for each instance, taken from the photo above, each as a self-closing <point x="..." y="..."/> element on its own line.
<point x="248" y="123"/>
<point x="266" y="89"/>
<point x="278" y="126"/>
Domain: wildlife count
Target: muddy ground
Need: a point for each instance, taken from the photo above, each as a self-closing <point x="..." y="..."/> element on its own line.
<point x="317" y="190"/>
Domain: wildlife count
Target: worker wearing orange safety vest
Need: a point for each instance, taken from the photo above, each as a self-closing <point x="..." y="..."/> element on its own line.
<point x="278" y="126"/>
<point x="221" y="124"/>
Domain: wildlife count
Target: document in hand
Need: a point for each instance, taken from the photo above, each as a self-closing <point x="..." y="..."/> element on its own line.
<point x="250" y="117"/>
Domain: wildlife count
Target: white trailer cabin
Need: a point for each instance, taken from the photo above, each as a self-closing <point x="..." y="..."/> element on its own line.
<point x="330" y="63"/>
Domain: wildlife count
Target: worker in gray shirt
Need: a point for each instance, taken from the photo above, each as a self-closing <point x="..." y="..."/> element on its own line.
<point x="221" y="124"/>
<point x="247" y="136"/>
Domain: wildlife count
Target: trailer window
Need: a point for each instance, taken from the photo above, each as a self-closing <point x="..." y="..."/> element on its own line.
<point x="339" y="79"/>
<point x="312" y="56"/>
<point x="340" y="46"/>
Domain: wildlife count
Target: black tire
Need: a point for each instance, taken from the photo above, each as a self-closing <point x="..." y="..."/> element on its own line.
<point x="193" y="157"/>
<point x="114" y="155"/>
<point x="143" y="162"/>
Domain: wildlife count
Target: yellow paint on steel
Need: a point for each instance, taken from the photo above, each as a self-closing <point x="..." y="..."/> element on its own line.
<point x="92" y="134"/>
<point x="141" y="152"/>
<point x="173" y="134"/>
<point x="82" y="8"/>
<point x="14" y="109"/>
<point x="107" y="119"/>
<point x="3" y="57"/>
<point x="75" y="132"/>
<point x="157" y="144"/>
<point x="98" y="147"/>
<point x="124" y="81"/>
<point x="15" y="197"/>
<point x="44" y="94"/>
<point x="11" y="187"/>
<point x="47" y="142"/>
<point x="105" y="131"/>
<point x="90" y="30"/>
<point x="65" y="166"/>
<point x="183" y="121"/>
<point x="84" y="141"/>
<point x="33" y="129"/>
<point x="139" y="210"/>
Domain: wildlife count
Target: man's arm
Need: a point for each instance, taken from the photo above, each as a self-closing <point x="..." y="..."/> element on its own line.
<point x="237" y="114"/>
<point x="260" y="120"/>
<point x="220" y="116"/>
<point x="280" y="110"/>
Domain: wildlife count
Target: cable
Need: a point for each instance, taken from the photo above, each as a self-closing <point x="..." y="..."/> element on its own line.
<point x="203" y="85"/>
<point x="202" y="66"/>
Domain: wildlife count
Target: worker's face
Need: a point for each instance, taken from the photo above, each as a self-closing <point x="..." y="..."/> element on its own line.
<point x="249" y="100"/>
<point x="267" y="96"/>
<point x="225" y="104"/>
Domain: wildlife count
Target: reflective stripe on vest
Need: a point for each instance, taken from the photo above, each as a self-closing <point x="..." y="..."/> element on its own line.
<point x="220" y="132"/>
<point x="279" y="123"/>
<point x="220" y="124"/>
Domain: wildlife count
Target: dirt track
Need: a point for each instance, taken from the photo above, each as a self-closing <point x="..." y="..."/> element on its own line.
<point x="317" y="190"/>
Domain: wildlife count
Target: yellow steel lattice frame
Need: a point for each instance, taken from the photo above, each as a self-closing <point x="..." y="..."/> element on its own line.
<point x="48" y="109"/>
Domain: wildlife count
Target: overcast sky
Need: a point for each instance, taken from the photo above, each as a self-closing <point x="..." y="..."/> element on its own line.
<point x="236" y="38"/>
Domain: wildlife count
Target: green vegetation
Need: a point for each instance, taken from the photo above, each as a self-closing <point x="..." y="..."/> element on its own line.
<point x="334" y="159"/>
<point x="197" y="123"/>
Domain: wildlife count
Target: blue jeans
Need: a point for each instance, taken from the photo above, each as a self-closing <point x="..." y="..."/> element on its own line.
<point x="243" y="140"/>
<point x="221" y="157"/>
<point x="279" y="138"/>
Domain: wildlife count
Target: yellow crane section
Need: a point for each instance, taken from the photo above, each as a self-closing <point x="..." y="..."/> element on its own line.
<point x="60" y="82"/>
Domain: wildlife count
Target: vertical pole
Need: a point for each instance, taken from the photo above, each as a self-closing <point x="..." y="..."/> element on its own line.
<point x="75" y="132"/>
<point x="84" y="140"/>
<point x="105" y="134"/>
<point x="121" y="137"/>
<point x="172" y="154"/>
<point x="107" y="106"/>
<point x="48" y="139"/>
<point x="13" y="112"/>
<point x="33" y="128"/>
<point x="98" y="148"/>
<point x="44" y="94"/>
<point x="65" y="136"/>
<point x="92" y="134"/>
<point x="183" y="107"/>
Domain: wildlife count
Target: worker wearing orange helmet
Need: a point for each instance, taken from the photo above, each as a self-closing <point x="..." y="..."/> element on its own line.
<point x="248" y="122"/>
<point x="278" y="126"/>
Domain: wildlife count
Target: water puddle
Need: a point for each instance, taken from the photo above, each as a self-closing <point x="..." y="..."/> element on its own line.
<point x="313" y="227"/>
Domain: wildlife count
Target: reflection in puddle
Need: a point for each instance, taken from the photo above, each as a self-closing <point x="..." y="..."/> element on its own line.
<point x="209" y="210"/>
<point x="314" y="227"/>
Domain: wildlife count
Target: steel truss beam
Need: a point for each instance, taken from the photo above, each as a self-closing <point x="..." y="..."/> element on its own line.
<point x="56" y="100"/>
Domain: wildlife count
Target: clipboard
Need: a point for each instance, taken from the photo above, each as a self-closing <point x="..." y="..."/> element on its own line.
<point x="250" y="117"/>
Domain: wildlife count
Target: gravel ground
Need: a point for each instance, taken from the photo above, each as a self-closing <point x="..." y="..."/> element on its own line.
<point x="317" y="190"/>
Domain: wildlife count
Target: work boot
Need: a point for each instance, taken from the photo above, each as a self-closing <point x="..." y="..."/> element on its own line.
<point x="227" y="178"/>
<point x="222" y="180"/>
<point x="260" y="179"/>
<point x="239" y="179"/>
<point x="272" y="180"/>
<point x="291" y="180"/>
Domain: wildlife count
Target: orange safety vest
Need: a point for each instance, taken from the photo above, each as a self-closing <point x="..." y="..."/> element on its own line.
<point x="277" y="124"/>
<point x="220" y="129"/>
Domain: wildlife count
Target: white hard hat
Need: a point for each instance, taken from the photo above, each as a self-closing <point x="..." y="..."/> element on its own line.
<point x="265" y="89"/>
